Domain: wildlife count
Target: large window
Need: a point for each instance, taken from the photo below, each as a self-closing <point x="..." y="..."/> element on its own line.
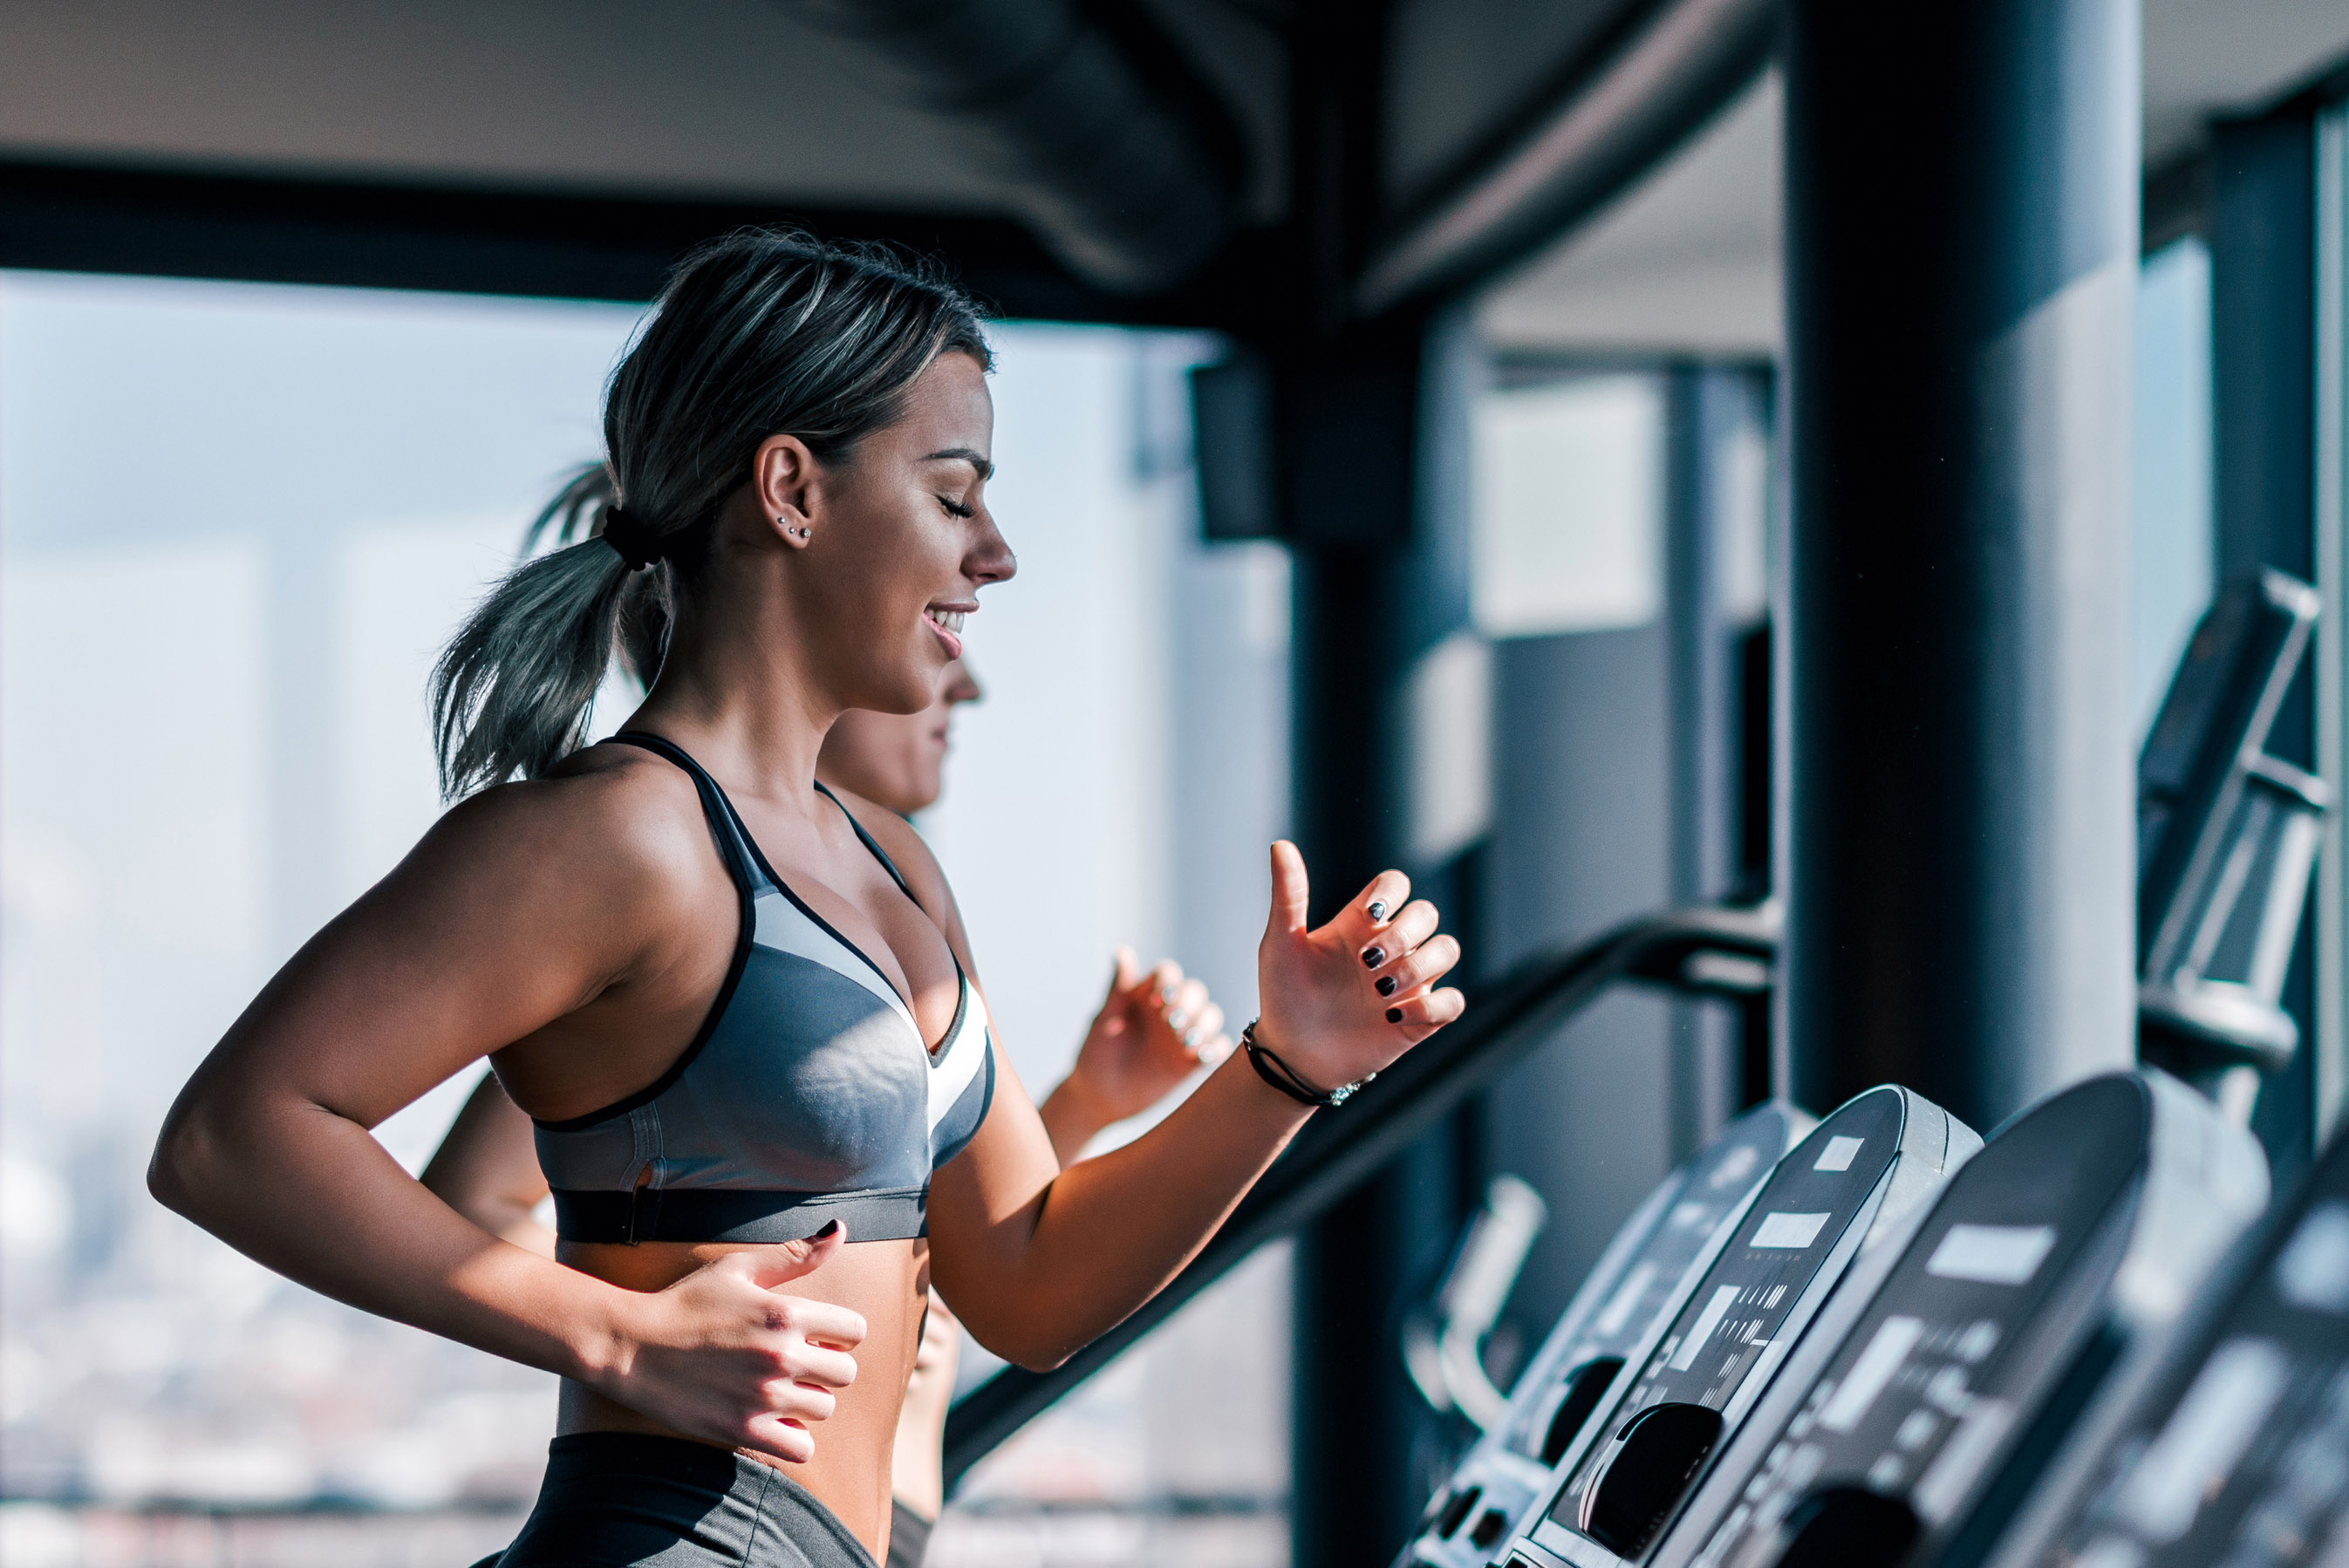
<point x="2173" y="556"/>
<point x="235" y="523"/>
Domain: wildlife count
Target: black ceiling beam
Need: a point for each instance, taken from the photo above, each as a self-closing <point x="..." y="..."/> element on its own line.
<point x="1606" y="117"/>
<point x="77" y="218"/>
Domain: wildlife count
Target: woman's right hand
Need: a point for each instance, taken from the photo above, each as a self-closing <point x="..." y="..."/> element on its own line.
<point x="723" y="1355"/>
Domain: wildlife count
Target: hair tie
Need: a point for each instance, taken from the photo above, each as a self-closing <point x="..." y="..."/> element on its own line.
<point x="635" y="544"/>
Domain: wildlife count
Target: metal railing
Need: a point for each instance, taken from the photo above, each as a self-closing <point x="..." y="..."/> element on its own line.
<point x="1715" y="950"/>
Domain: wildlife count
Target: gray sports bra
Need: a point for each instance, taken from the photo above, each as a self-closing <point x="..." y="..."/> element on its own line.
<point x="807" y="1096"/>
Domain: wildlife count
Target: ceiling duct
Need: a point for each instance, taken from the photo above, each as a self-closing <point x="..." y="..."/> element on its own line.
<point x="1125" y="164"/>
<point x="1602" y="131"/>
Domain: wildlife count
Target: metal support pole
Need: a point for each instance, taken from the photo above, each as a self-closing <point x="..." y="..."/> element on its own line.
<point x="2263" y="364"/>
<point x="1380" y="588"/>
<point x="1380" y="582"/>
<point x="1715" y="508"/>
<point x="1961" y="257"/>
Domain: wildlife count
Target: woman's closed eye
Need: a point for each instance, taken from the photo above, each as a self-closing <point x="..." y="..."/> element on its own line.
<point x="955" y="509"/>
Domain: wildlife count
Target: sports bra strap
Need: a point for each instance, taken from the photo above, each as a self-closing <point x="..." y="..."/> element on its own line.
<point x="870" y="843"/>
<point x="733" y="837"/>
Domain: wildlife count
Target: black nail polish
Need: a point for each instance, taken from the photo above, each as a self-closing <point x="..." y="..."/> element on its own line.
<point x="1373" y="957"/>
<point x="1386" y="984"/>
<point x="1394" y="1015"/>
<point x="828" y="1230"/>
<point x="1378" y="909"/>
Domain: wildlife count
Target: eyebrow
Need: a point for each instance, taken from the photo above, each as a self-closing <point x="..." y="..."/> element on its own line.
<point x="964" y="455"/>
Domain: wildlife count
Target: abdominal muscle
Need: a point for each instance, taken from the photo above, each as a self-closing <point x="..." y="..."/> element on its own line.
<point x="886" y="1281"/>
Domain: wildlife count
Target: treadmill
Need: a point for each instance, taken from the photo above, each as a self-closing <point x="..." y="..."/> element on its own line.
<point x="2227" y="836"/>
<point x="2035" y="1302"/>
<point x="2239" y="1451"/>
<point x="1863" y="1178"/>
<point x="1642" y="1274"/>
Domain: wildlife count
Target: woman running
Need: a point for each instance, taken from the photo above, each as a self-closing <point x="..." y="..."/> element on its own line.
<point x="1153" y="1030"/>
<point x="742" y="1016"/>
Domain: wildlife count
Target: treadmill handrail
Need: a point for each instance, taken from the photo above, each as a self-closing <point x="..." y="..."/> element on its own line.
<point x="1333" y="1154"/>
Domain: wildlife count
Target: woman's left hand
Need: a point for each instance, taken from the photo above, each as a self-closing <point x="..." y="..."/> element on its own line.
<point x="1153" y="1030"/>
<point x="1342" y="1002"/>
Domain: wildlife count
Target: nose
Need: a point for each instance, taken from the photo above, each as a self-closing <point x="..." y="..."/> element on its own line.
<point x="991" y="558"/>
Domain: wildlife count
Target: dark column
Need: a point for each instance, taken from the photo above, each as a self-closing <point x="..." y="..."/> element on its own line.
<point x="1961" y="252"/>
<point x="1365" y="460"/>
<point x="2263" y="364"/>
<point x="1381" y="584"/>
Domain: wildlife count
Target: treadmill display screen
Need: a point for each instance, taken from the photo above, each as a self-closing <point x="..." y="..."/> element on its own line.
<point x="1966" y="1339"/>
<point x="1736" y="1315"/>
<point x="1728" y="1171"/>
<point x="1635" y="1283"/>
<point x="2244" y="1459"/>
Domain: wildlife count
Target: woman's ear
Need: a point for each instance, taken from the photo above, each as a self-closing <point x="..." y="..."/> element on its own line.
<point x="785" y="477"/>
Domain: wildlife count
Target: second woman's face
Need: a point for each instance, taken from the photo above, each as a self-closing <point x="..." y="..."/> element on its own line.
<point x="901" y="541"/>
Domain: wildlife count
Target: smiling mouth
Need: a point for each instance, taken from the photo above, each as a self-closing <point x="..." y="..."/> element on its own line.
<point x="946" y="626"/>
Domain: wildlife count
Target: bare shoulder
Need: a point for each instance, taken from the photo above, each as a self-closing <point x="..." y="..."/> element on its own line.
<point x="610" y="822"/>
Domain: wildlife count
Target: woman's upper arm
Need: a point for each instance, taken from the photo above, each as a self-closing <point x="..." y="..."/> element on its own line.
<point x="519" y="906"/>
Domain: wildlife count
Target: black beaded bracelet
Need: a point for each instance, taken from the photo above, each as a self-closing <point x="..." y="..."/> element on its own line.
<point x="1282" y="1076"/>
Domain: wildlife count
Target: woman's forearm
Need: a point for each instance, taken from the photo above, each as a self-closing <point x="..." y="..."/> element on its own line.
<point x="310" y="1193"/>
<point x="487" y="1170"/>
<point x="1108" y="1234"/>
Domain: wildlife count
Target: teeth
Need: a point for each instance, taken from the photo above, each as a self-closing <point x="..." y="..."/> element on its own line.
<point x="951" y="620"/>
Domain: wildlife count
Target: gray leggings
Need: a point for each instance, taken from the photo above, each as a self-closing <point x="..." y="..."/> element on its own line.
<point x="619" y="1500"/>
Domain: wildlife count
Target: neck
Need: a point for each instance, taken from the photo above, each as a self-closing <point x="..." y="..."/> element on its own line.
<point x="735" y="690"/>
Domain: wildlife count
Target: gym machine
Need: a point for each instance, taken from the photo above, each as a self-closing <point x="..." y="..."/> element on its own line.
<point x="1699" y="1368"/>
<point x="2227" y="838"/>
<point x="1641" y="1277"/>
<point x="2239" y="1451"/>
<point x="2031" y="1306"/>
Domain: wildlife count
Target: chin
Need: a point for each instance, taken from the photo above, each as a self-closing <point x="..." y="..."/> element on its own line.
<point x="901" y="692"/>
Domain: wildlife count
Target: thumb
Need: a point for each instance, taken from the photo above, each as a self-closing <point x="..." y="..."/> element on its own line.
<point x="1125" y="970"/>
<point x="1291" y="891"/>
<point x="767" y="1267"/>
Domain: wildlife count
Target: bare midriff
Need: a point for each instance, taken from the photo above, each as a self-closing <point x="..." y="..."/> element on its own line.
<point x="886" y="1281"/>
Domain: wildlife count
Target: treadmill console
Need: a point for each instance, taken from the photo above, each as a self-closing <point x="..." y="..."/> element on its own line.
<point x="2049" y="1268"/>
<point x="2227" y="838"/>
<point x="2238" y="1452"/>
<point x="1876" y="1161"/>
<point x="1639" y="1277"/>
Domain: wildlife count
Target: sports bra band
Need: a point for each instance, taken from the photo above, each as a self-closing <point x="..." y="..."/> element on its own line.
<point x="651" y="1214"/>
